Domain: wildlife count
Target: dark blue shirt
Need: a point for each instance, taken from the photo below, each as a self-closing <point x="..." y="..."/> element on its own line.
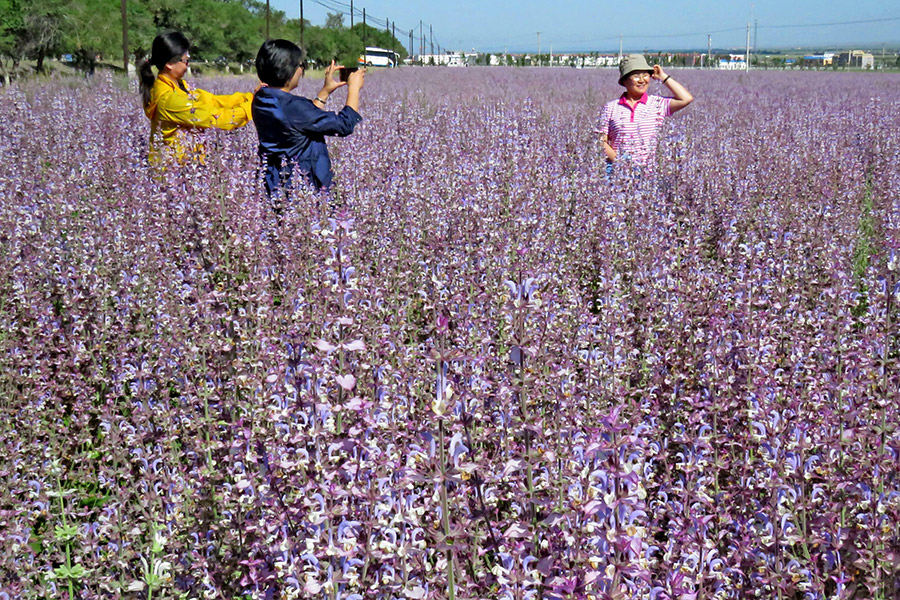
<point x="291" y="132"/>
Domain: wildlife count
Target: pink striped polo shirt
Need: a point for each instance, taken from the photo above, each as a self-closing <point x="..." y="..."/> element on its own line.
<point x="633" y="132"/>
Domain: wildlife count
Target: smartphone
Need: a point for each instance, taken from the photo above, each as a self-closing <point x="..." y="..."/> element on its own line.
<point x="344" y="72"/>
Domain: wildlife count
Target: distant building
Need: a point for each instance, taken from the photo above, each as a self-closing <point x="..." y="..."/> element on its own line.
<point x="449" y="59"/>
<point x="557" y="60"/>
<point x="733" y="62"/>
<point x="856" y="58"/>
<point x="600" y="60"/>
<point x="819" y="60"/>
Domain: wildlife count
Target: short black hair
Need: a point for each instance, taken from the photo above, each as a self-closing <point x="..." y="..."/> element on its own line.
<point x="277" y="60"/>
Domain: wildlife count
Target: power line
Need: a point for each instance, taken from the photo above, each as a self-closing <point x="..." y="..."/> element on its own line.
<point x="883" y="20"/>
<point x="348" y="9"/>
<point x="733" y="29"/>
<point x="675" y="35"/>
<point x="524" y="37"/>
<point x="344" y="8"/>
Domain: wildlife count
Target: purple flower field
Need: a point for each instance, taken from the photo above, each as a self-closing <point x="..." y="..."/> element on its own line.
<point x="491" y="374"/>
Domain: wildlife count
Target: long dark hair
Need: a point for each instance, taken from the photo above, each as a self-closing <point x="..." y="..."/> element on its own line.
<point x="166" y="46"/>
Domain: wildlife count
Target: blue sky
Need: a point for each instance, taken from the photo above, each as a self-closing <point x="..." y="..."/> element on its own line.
<point x="498" y="25"/>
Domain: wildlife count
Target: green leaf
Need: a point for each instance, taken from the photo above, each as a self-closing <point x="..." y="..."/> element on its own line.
<point x="65" y="533"/>
<point x="152" y="580"/>
<point x="95" y="501"/>
<point x="60" y="493"/>
<point x="64" y="572"/>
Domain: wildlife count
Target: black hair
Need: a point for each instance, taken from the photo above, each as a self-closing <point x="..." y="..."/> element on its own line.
<point x="277" y="60"/>
<point x="166" y="47"/>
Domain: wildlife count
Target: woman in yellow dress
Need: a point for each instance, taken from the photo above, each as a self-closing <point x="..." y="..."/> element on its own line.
<point x="179" y="112"/>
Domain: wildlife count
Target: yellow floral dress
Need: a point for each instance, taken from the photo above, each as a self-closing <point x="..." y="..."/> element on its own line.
<point x="178" y="112"/>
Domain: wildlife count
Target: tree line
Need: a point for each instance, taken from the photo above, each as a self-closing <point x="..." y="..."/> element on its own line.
<point x="224" y="30"/>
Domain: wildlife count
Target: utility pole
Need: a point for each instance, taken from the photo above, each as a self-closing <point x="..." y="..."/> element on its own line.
<point x="755" y="27"/>
<point x="539" y="48"/>
<point x="747" y="54"/>
<point x="431" y="34"/>
<point x="709" y="50"/>
<point x="267" y="19"/>
<point x="351" y="14"/>
<point x="365" y="42"/>
<point x="421" y="39"/>
<point x="411" y="49"/>
<point x="620" y="47"/>
<point x="125" y="37"/>
<point x="301" y="23"/>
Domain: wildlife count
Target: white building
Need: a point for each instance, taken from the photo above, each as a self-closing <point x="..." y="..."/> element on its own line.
<point x="856" y="58"/>
<point x="558" y="60"/>
<point x="734" y="62"/>
<point x="449" y="59"/>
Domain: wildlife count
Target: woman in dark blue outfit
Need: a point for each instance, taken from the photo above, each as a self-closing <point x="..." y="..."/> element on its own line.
<point x="291" y="128"/>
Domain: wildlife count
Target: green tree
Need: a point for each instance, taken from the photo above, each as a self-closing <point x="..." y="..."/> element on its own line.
<point x="326" y="44"/>
<point x="202" y="21"/>
<point x="92" y="28"/>
<point x="348" y="47"/>
<point x="233" y="29"/>
<point x="141" y="30"/>
<point x="207" y="26"/>
<point x="377" y="37"/>
<point x="41" y="31"/>
<point x="10" y="25"/>
<point x="334" y="21"/>
<point x="246" y="33"/>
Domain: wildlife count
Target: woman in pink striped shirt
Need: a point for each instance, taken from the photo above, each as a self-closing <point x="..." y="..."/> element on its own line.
<point x="628" y="125"/>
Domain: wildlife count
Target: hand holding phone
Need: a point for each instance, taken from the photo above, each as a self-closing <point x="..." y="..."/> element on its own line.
<point x="344" y="72"/>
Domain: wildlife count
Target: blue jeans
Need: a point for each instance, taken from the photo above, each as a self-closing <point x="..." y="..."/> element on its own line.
<point x="611" y="166"/>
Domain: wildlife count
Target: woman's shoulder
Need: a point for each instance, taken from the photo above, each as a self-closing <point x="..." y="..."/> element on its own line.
<point x="160" y="93"/>
<point x="269" y="95"/>
<point x="284" y="101"/>
<point x="612" y="103"/>
<point x="166" y="88"/>
<point x="163" y="83"/>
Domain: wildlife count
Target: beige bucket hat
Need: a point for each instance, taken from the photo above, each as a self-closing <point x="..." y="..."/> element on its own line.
<point x="632" y="63"/>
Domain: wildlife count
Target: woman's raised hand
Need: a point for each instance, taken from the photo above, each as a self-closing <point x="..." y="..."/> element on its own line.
<point x="356" y="79"/>
<point x="658" y="73"/>
<point x="330" y="83"/>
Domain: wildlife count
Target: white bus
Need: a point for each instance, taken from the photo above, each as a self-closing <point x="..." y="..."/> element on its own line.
<point x="379" y="57"/>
